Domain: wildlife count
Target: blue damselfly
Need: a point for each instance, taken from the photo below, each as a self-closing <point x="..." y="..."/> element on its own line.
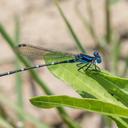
<point x="83" y="61"/>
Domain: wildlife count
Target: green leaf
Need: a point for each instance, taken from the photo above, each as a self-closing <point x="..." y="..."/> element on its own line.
<point x="93" y="105"/>
<point x="92" y="82"/>
<point x="116" y="86"/>
<point x="101" y="85"/>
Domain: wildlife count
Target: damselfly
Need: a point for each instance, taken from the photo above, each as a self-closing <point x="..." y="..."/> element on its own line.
<point x="82" y="60"/>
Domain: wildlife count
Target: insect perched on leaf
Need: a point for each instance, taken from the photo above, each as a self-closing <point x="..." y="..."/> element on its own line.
<point x="82" y="60"/>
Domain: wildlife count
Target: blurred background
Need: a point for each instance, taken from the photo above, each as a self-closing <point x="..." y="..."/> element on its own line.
<point x="40" y="23"/>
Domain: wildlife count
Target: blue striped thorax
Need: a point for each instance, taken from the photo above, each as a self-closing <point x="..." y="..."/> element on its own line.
<point x="83" y="58"/>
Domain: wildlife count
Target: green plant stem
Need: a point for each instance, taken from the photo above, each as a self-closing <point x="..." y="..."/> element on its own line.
<point x="78" y="43"/>
<point x="107" y="121"/>
<point x="38" y="80"/>
<point x="19" y="92"/>
<point x="19" y="83"/>
<point x="5" y="116"/>
<point x="5" y="124"/>
<point x="67" y="119"/>
<point x="115" y="54"/>
<point x="88" y="26"/>
<point x="17" y="30"/>
<point x="125" y="68"/>
<point x="108" y="21"/>
<point x="26" y="116"/>
<point x="91" y="19"/>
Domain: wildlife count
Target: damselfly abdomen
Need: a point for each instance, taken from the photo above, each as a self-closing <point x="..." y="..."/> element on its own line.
<point x="83" y="61"/>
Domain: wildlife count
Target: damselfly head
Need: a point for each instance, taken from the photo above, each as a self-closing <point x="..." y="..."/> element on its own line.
<point x="98" y="57"/>
<point x="96" y="53"/>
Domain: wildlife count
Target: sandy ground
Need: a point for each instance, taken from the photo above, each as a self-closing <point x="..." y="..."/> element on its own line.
<point x="42" y="25"/>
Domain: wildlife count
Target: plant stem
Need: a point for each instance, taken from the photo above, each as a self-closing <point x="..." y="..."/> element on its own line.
<point x="18" y="80"/>
<point x="108" y="21"/>
<point x="77" y="41"/>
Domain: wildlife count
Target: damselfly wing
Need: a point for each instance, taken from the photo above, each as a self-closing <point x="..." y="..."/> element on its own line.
<point x="34" y="53"/>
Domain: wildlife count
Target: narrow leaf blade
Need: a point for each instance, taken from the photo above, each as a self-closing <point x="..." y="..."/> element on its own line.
<point x="93" y="105"/>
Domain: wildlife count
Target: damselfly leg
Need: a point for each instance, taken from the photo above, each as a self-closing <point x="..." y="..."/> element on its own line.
<point x="89" y="65"/>
<point x="82" y="67"/>
<point x="79" y="64"/>
<point x="96" y="68"/>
